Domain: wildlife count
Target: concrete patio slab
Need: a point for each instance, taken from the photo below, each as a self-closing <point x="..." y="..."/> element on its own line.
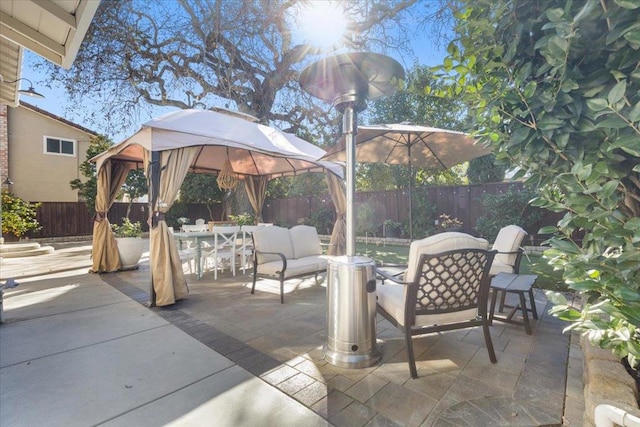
<point x="231" y="398"/>
<point x="95" y="383"/>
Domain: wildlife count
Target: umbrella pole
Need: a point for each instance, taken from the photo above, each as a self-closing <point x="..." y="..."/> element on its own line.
<point x="349" y="128"/>
<point x="410" y="195"/>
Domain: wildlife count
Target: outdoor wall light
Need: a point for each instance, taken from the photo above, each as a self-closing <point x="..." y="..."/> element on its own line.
<point x="7" y="181"/>
<point x="29" y="92"/>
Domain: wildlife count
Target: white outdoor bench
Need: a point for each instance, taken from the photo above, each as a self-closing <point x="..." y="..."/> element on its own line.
<point x="281" y="253"/>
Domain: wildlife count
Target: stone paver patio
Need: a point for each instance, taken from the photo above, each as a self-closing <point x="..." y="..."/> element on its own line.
<point x="457" y="385"/>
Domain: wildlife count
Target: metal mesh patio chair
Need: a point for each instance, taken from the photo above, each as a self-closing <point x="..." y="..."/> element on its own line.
<point x="440" y="291"/>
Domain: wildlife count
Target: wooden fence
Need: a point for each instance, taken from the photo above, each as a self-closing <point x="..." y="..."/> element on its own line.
<point x="462" y="202"/>
<point x="64" y="219"/>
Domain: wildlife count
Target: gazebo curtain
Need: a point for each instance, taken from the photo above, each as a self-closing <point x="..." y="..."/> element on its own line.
<point x="104" y="249"/>
<point x="338" y="243"/>
<point x="169" y="283"/>
<point x="256" y="188"/>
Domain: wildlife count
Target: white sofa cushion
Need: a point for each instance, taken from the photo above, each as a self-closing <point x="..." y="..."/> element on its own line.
<point x="305" y="241"/>
<point x="391" y="297"/>
<point x="295" y="267"/>
<point x="500" y="267"/>
<point x="273" y="239"/>
<point x="509" y="239"/>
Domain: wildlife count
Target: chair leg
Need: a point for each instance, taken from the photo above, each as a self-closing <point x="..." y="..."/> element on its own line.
<point x="410" y="355"/>
<point x="492" y="305"/>
<point x="525" y="314"/>
<point x="487" y="341"/>
<point x="532" y="301"/>
<point x="253" y="287"/>
<point x="281" y="291"/>
<point x="502" y="301"/>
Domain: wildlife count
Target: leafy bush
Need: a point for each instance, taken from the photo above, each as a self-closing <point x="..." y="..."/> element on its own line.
<point x="484" y="169"/>
<point x="18" y="216"/>
<point x="511" y="207"/>
<point x="554" y="87"/>
<point x="323" y="219"/>
<point x="174" y="216"/>
<point x="424" y="216"/>
<point x="243" y="219"/>
<point x="365" y="220"/>
<point x="127" y="229"/>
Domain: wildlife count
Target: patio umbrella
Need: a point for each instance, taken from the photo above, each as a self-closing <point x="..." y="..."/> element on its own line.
<point x="199" y="141"/>
<point x="412" y="145"/>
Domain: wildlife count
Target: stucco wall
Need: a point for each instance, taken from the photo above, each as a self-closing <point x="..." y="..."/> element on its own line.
<point x="38" y="176"/>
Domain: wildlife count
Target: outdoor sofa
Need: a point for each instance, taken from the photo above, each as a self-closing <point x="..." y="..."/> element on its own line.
<point x="282" y="253"/>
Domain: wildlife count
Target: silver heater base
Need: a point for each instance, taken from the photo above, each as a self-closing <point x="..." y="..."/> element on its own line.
<point x="350" y="360"/>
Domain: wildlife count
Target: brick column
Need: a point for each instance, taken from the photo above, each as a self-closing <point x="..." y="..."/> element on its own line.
<point x="4" y="146"/>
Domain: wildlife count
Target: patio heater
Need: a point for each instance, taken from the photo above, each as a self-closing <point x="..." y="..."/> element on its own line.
<point x="348" y="80"/>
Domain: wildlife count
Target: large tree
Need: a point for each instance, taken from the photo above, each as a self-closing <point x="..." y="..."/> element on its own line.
<point x="554" y="85"/>
<point x="244" y="55"/>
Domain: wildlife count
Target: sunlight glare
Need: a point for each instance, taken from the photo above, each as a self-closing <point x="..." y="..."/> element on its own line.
<point x="323" y="23"/>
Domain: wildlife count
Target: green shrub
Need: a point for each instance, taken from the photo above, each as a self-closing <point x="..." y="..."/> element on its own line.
<point x="511" y="207"/>
<point x="127" y="229"/>
<point x="365" y="219"/>
<point x="424" y="216"/>
<point x="323" y="219"/>
<point x="177" y="211"/>
<point x="18" y="216"/>
<point x="243" y="219"/>
<point x="554" y="87"/>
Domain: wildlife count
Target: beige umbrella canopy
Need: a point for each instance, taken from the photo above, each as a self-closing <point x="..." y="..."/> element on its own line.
<point x="411" y="145"/>
<point x="199" y="141"/>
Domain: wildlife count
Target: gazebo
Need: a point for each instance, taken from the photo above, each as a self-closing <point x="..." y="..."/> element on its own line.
<point x="199" y="141"/>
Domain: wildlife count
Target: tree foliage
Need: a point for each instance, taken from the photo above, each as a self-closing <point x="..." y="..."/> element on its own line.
<point x="413" y="105"/>
<point x="510" y="207"/>
<point x="202" y="188"/>
<point x="244" y="55"/>
<point x="88" y="188"/>
<point x="554" y="85"/>
<point x="484" y="169"/>
<point x="135" y="186"/>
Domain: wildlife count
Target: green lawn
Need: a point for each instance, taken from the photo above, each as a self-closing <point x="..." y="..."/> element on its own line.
<point x="548" y="279"/>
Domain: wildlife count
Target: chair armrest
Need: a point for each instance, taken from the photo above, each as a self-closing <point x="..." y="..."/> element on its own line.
<point x="281" y="255"/>
<point x="516" y="264"/>
<point x="393" y="277"/>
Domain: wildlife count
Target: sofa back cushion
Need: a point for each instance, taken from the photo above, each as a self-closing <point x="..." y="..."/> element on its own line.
<point x="305" y="241"/>
<point x="272" y="239"/>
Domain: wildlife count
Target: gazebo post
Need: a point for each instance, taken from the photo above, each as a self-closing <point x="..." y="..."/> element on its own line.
<point x="154" y="188"/>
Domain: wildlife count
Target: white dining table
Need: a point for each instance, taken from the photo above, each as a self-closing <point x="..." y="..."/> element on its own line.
<point x="197" y="237"/>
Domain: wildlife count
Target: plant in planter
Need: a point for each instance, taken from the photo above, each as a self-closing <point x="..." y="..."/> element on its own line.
<point x="391" y="228"/>
<point x="130" y="244"/>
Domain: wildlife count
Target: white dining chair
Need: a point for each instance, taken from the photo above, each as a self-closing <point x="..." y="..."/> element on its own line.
<point x="187" y="252"/>
<point x="222" y="249"/>
<point x="245" y="249"/>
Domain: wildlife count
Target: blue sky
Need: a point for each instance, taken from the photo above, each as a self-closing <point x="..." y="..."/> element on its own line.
<point x="426" y="52"/>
